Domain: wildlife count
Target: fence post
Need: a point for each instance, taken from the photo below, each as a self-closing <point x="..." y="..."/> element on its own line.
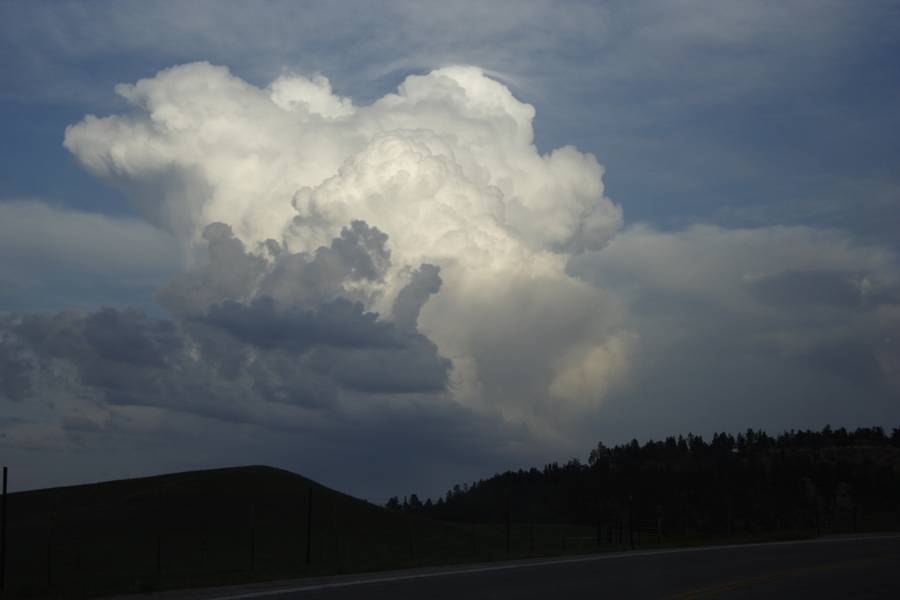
<point x="631" y="520"/>
<point x="50" y="550"/>
<point x="337" y="535"/>
<point x="3" y="534"/>
<point x="507" y="521"/>
<point x="252" y="536"/>
<point x="160" y="519"/>
<point x="309" y="525"/>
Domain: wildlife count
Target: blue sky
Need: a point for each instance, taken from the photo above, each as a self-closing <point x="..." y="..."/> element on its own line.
<point x="740" y="112"/>
<point x="750" y="147"/>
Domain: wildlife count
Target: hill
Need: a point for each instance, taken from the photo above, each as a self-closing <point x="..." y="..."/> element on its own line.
<point x="214" y="527"/>
<point x="222" y="526"/>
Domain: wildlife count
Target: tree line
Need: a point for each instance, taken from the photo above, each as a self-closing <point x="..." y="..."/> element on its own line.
<point x="684" y="485"/>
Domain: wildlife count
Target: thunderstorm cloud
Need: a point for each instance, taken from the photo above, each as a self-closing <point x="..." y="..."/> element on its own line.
<point x="413" y="272"/>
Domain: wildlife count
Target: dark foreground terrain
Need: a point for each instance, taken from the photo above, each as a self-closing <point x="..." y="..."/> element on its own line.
<point x="254" y="524"/>
<point x="850" y="567"/>
<point x="227" y="526"/>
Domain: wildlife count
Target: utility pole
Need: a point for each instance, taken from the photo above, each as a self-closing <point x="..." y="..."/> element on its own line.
<point x="3" y="535"/>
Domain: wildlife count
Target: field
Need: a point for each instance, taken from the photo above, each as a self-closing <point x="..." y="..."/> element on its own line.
<point x="235" y="525"/>
<point x="224" y="526"/>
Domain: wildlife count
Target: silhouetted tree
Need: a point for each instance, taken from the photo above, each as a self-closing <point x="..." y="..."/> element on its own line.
<point x="751" y="481"/>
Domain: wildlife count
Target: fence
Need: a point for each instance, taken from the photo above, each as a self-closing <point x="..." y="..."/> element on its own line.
<point x="206" y="530"/>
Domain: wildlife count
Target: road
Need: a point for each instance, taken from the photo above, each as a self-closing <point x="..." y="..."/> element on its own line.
<point x="851" y="567"/>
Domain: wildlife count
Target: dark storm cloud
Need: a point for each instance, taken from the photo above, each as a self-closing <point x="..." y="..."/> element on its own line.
<point x="14" y="380"/>
<point x="853" y="360"/>
<point x="425" y="281"/>
<point x="128" y="336"/>
<point x="416" y="367"/>
<point x="339" y="323"/>
<point x="231" y="273"/>
<point x="122" y="355"/>
<point x="300" y="345"/>
<point x="772" y="328"/>
<point x="840" y="289"/>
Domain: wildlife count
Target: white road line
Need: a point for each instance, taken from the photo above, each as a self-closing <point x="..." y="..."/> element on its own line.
<point x="541" y="563"/>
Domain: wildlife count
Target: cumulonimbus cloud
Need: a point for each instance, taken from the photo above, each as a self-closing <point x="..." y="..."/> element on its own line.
<point x="414" y="269"/>
<point x="446" y="169"/>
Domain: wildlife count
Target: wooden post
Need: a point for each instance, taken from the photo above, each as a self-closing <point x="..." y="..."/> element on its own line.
<point x="730" y="516"/>
<point x="50" y="550"/>
<point x="507" y="521"/>
<point x="309" y="526"/>
<point x="337" y="535"/>
<point x="631" y="520"/>
<point x="3" y="534"/>
<point x="160" y="519"/>
<point x="252" y="537"/>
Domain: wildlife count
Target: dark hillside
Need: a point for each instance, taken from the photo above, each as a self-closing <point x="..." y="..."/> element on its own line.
<point x="243" y="524"/>
<point x="209" y="527"/>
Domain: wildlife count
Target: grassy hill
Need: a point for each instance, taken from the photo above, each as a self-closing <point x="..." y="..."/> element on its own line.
<point x="224" y="526"/>
<point x="227" y="526"/>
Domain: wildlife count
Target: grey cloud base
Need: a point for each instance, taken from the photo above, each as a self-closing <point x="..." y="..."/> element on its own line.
<point x="773" y="328"/>
<point x="234" y="350"/>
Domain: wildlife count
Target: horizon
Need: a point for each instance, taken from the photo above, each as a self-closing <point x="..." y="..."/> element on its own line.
<point x="383" y="501"/>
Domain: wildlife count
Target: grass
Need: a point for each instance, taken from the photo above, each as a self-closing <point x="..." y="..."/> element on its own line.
<point x="238" y="525"/>
<point x="226" y="526"/>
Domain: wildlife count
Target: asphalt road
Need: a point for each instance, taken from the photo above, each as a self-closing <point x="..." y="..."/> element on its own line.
<point x="858" y="567"/>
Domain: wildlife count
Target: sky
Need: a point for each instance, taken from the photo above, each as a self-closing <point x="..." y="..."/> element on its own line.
<point x="397" y="246"/>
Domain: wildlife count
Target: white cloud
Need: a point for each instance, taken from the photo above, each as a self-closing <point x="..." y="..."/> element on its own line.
<point x="446" y="167"/>
<point x="560" y="327"/>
